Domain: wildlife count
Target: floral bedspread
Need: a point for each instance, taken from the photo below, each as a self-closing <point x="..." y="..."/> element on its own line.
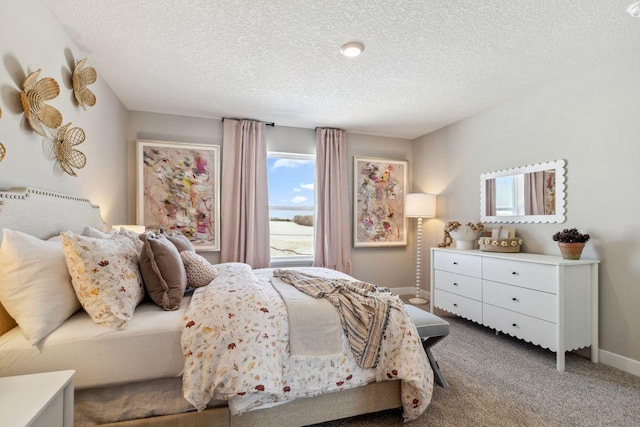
<point x="235" y="341"/>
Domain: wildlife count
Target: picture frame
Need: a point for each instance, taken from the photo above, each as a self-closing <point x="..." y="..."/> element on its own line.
<point x="379" y="189"/>
<point x="179" y="189"/>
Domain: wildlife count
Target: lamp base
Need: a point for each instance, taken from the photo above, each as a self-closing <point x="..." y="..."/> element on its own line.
<point x="417" y="300"/>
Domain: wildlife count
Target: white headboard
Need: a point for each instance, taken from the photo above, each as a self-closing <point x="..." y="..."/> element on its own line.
<point x="43" y="214"/>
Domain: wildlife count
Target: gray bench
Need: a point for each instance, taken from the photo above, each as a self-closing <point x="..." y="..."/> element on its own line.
<point x="431" y="329"/>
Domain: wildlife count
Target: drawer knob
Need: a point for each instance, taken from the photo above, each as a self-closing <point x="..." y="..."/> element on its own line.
<point x="455" y="263"/>
<point x="455" y="305"/>
<point x="514" y="325"/>
<point x="455" y="284"/>
<point x="514" y="299"/>
<point x="515" y="273"/>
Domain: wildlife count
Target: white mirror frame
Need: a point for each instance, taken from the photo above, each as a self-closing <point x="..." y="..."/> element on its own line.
<point x="559" y="216"/>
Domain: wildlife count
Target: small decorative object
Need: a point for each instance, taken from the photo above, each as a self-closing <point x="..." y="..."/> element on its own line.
<point x="501" y="239"/>
<point x="67" y="156"/>
<point x="82" y="77"/>
<point x="571" y="242"/>
<point x="3" y="151"/>
<point x="34" y="94"/>
<point x="464" y="237"/>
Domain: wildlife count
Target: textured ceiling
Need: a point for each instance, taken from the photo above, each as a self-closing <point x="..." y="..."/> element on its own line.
<point x="426" y="64"/>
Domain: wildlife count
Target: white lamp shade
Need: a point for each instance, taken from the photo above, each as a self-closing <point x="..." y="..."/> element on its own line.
<point x="420" y="205"/>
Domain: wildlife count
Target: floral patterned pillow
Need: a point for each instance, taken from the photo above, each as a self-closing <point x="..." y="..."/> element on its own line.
<point x="200" y="272"/>
<point x="105" y="276"/>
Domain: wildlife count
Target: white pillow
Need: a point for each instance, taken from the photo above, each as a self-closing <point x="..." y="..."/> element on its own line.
<point x="35" y="286"/>
<point x="94" y="232"/>
<point x="134" y="237"/>
<point x="105" y="276"/>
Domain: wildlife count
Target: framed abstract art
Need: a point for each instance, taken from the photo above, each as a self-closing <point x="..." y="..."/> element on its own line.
<point x="379" y="189"/>
<point x="179" y="190"/>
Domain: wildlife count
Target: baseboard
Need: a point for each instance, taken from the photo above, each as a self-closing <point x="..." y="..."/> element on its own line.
<point x="619" y="362"/>
<point x="410" y="291"/>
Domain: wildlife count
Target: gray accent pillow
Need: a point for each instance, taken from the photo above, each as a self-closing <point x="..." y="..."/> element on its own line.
<point x="162" y="271"/>
<point x="180" y="241"/>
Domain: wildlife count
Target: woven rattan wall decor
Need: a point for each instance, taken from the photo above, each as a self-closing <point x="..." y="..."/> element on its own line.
<point x="34" y="94"/>
<point x="65" y="153"/>
<point x="82" y="77"/>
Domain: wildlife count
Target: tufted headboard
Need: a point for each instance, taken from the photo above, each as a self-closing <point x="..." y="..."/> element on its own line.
<point x="43" y="214"/>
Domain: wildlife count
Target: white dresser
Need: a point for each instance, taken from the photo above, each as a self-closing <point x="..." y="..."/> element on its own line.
<point x="542" y="299"/>
<point x="36" y="400"/>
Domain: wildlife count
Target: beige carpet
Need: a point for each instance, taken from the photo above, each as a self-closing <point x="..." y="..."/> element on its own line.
<point x="502" y="381"/>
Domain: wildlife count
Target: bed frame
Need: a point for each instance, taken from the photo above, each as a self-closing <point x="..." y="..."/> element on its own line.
<point x="44" y="214"/>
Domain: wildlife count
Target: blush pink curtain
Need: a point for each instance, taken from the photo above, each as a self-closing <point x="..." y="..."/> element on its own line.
<point x="534" y="193"/>
<point x="490" y="197"/>
<point x="332" y="247"/>
<point x="244" y="202"/>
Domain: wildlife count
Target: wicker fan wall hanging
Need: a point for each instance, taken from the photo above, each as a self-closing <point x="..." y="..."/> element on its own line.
<point x="34" y="94"/>
<point x="67" y="156"/>
<point x="82" y="77"/>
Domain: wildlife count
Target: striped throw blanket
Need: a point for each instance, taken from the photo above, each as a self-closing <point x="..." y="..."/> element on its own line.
<point x="363" y="309"/>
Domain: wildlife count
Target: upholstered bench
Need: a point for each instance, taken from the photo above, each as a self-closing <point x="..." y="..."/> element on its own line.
<point x="431" y="329"/>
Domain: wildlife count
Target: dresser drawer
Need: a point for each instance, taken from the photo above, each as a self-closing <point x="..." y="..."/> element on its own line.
<point x="456" y="304"/>
<point x="469" y="265"/>
<point x="536" y="331"/>
<point x="467" y="286"/>
<point x="538" y="304"/>
<point x="525" y="274"/>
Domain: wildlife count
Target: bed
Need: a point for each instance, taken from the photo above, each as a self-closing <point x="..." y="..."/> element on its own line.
<point x="135" y="376"/>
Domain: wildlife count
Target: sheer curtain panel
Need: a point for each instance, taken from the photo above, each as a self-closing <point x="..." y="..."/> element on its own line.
<point x="332" y="242"/>
<point x="244" y="202"/>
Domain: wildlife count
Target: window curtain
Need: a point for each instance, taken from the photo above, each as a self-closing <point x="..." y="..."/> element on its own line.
<point x="490" y="197"/>
<point x="244" y="202"/>
<point x="534" y="193"/>
<point x="332" y="247"/>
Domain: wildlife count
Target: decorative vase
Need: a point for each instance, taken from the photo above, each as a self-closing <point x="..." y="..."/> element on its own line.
<point x="465" y="237"/>
<point x="571" y="250"/>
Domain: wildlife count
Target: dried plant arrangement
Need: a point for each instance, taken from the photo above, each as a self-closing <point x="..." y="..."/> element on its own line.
<point x="82" y="77"/>
<point x="33" y="95"/>
<point x="67" y="156"/>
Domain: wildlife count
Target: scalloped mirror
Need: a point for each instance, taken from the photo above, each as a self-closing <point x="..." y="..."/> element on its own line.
<point x="533" y="193"/>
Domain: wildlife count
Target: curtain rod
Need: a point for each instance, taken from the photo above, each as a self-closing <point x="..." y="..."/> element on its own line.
<point x="253" y="120"/>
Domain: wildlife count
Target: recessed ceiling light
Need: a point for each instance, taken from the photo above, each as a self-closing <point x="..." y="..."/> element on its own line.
<point x="634" y="9"/>
<point x="351" y="49"/>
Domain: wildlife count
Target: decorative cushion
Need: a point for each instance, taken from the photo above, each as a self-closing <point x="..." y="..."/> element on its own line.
<point x="134" y="237"/>
<point x="200" y="272"/>
<point x="162" y="270"/>
<point x="35" y="287"/>
<point x="94" y="232"/>
<point x="181" y="242"/>
<point x="105" y="276"/>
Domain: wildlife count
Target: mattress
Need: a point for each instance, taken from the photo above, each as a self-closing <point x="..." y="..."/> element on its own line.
<point x="148" y="348"/>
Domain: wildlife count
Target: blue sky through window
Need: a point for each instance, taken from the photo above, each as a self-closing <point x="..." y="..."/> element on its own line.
<point x="291" y="184"/>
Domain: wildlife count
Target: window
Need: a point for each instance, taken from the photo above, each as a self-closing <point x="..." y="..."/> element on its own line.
<point x="510" y="199"/>
<point x="291" y="206"/>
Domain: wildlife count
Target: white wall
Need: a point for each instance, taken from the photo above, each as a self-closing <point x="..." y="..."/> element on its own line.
<point x="391" y="267"/>
<point x="592" y="120"/>
<point x="33" y="39"/>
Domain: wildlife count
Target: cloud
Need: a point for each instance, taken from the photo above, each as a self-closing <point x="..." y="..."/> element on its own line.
<point x="299" y="199"/>
<point x="289" y="163"/>
<point x="307" y="186"/>
<point x="296" y="190"/>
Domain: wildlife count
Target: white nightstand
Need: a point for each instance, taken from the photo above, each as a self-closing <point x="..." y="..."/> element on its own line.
<point x="44" y="399"/>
